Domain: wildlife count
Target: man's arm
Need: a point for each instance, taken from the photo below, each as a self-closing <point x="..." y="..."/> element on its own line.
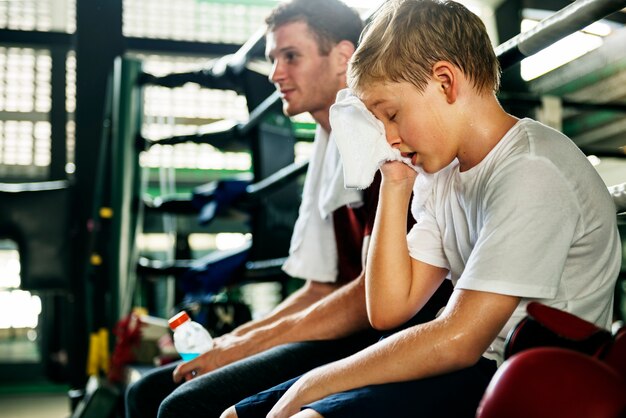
<point x="455" y="340"/>
<point x="307" y="295"/>
<point x="336" y="315"/>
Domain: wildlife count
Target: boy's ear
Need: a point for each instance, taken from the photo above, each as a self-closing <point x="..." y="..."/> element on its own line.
<point x="343" y="51"/>
<point x="445" y="74"/>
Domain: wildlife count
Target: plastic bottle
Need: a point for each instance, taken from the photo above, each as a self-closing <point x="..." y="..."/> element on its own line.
<point x="190" y="338"/>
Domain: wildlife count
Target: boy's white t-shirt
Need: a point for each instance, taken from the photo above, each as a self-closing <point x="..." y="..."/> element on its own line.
<point x="533" y="219"/>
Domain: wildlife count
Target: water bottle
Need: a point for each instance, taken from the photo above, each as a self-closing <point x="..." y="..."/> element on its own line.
<point x="190" y="338"/>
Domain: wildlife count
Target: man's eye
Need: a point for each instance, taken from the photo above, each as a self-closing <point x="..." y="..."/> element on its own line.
<point x="290" y="56"/>
<point x="392" y="117"/>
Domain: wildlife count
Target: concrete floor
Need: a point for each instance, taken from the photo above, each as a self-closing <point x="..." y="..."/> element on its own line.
<point x="34" y="405"/>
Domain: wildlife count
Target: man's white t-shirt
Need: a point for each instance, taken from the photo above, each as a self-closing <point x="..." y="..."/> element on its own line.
<point x="313" y="250"/>
<point x="533" y="219"/>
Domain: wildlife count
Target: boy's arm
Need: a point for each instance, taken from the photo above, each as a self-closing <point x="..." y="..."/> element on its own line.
<point x="396" y="287"/>
<point x="338" y="314"/>
<point x="455" y="340"/>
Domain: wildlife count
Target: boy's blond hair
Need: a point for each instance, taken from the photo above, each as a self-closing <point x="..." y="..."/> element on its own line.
<point x="407" y="37"/>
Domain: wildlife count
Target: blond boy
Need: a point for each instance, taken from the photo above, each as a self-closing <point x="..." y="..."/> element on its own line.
<point x="516" y="214"/>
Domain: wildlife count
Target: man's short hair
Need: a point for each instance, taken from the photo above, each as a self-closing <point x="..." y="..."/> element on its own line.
<point x="331" y="21"/>
<point x="407" y="37"/>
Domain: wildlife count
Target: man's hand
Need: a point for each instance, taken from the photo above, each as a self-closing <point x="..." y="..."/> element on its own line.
<point x="226" y="349"/>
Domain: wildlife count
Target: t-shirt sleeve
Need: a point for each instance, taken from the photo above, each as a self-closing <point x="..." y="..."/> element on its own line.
<point x="528" y="223"/>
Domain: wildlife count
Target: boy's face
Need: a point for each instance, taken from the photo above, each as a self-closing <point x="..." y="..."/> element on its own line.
<point x="307" y="81"/>
<point x="414" y="121"/>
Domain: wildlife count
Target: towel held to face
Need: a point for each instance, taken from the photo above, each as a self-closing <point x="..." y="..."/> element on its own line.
<point x="362" y="144"/>
<point x="361" y="141"/>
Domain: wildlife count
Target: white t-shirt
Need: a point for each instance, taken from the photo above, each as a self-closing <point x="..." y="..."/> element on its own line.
<point x="533" y="219"/>
<point x="313" y="250"/>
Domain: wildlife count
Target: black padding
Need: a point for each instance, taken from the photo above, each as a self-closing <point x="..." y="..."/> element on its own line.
<point x="36" y="216"/>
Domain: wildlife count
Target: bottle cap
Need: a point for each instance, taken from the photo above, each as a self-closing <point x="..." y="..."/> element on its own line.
<point x="178" y="319"/>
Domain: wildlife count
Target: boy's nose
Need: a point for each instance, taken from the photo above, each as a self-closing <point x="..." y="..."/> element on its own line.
<point x="392" y="136"/>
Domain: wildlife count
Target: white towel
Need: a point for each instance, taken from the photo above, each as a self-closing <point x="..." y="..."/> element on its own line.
<point x="363" y="146"/>
<point x="313" y="250"/>
<point x="361" y="140"/>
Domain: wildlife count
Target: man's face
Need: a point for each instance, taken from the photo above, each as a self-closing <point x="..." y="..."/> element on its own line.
<point x="413" y="121"/>
<point x="307" y="81"/>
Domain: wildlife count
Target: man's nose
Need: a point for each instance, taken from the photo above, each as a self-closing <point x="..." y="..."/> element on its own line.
<point x="277" y="72"/>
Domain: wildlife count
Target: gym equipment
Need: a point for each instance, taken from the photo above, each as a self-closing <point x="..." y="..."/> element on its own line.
<point x="42" y="237"/>
<point x="271" y="198"/>
<point x="566" y="21"/>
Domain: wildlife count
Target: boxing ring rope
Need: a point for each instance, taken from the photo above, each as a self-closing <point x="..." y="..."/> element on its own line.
<point x="566" y="21"/>
<point x="222" y="70"/>
<point x="225" y="72"/>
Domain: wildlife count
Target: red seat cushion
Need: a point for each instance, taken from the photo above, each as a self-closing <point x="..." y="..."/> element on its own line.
<point x="554" y="383"/>
<point x="546" y="326"/>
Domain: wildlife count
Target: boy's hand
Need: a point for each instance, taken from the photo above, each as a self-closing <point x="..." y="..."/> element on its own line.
<point x="305" y="390"/>
<point x="397" y="172"/>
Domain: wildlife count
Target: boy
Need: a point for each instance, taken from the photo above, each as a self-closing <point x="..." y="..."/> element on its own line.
<point x="516" y="213"/>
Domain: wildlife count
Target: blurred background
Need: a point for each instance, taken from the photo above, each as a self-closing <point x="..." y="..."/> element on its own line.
<point x="58" y="114"/>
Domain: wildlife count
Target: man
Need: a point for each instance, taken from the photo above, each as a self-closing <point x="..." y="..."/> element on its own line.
<point x="309" y="44"/>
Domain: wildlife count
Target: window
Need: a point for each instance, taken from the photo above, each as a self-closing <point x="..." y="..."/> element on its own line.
<point x="19" y="310"/>
<point x="38" y="15"/>
<point x="24" y="107"/>
<point x="195" y="20"/>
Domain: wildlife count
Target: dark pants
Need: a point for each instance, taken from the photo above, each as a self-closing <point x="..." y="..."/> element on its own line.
<point x="455" y="394"/>
<point x="207" y="396"/>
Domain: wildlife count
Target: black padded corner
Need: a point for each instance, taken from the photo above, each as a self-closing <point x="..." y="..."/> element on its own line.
<point x="36" y="216"/>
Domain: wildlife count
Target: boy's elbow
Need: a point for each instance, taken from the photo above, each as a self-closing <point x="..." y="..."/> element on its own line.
<point x="462" y="358"/>
<point x="461" y="352"/>
<point x="379" y="323"/>
<point x="381" y="319"/>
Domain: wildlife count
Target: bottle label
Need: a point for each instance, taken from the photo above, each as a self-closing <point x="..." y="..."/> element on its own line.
<point x="188" y="356"/>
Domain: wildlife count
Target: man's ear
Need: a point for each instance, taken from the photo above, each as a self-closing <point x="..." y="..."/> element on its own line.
<point x="343" y="52"/>
<point x="446" y="75"/>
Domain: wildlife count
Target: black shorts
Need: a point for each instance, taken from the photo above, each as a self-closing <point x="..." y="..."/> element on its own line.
<point x="455" y="394"/>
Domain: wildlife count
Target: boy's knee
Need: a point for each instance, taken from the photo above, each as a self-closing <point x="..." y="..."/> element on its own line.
<point x="229" y="413"/>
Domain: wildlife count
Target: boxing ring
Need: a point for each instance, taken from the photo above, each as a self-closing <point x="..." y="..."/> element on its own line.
<point x="230" y="72"/>
<point x="114" y="268"/>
